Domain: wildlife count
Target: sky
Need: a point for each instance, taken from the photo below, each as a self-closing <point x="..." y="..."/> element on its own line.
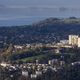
<point x="13" y="12"/>
<point x="41" y="2"/>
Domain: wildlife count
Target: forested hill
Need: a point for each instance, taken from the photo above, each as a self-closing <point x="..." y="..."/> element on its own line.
<point x="45" y="31"/>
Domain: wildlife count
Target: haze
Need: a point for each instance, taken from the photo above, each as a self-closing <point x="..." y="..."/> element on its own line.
<point x="22" y="12"/>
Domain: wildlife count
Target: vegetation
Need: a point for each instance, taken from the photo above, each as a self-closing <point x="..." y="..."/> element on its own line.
<point x="45" y="31"/>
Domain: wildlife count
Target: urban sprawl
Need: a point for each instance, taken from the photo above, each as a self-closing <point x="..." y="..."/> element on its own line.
<point x="36" y="70"/>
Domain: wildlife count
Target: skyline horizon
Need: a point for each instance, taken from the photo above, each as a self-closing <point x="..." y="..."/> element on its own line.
<point x="19" y="12"/>
<point x="36" y="21"/>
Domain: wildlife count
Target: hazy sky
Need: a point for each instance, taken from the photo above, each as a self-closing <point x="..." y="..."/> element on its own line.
<point x="13" y="12"/>
<point x="41" y="2"/>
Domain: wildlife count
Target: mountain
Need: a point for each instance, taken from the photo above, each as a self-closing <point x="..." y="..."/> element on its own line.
<point x="46" y="31"/>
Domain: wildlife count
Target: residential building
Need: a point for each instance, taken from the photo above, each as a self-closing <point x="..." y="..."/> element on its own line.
<point x="79" y="42"/>
<point x="73" y="39"/>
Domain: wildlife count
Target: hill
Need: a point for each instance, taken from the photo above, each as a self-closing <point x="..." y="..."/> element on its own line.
<point x="46" y="31"/>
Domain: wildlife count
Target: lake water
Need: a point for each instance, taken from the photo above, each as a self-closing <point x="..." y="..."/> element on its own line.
<point x="23" y="16"/>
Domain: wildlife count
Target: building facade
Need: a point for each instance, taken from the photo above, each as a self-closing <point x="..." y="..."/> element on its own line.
<point x="79" y="42"/>
<point x="73" y="39"/>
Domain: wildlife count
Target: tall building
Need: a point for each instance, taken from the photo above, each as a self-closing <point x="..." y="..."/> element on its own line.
<point x="73" y="39"/>
<point x="79" y="42"/>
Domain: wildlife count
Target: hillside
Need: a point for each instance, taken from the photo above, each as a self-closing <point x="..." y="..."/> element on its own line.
<point x="45" y="31"/>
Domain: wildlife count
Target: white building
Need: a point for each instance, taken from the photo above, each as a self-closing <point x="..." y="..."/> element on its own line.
<point x="25" y="73"/>
<point x="49" y="62"/>
<point x="38" y="73"/>
<point x="3" y="64"/>
<point x="18" y="47"/>
<point x="79" y="42"/>
<point x="64" y="41"/>
<point x="33" y="76"/>
<point x="73" y="39"/>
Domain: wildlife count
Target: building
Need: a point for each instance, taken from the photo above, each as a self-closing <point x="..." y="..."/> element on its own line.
<point x="3" y="64"/>
<point x="64" y="42"/>
<point x="79" y="42"/>
<point x="18" y="47"/>
<point x="25" y="73"/>
<point x="33" y="76"/>
<point x="73" y="39"/>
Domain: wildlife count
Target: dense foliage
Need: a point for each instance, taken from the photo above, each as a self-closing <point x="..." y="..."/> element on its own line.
<point x="45" y="31"/>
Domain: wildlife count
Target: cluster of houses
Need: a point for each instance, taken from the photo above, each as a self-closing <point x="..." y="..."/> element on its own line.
<point x="32" y="70"/>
